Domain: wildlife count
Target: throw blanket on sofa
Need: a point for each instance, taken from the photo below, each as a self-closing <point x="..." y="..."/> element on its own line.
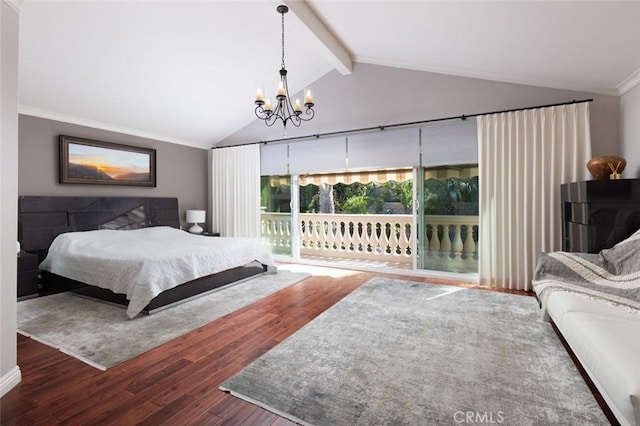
<point x="613" y="274"/>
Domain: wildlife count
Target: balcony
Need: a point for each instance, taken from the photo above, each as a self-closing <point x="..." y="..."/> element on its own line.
<point x="451" y="242"/>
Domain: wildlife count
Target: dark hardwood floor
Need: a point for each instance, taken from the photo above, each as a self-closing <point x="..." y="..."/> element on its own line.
<point x="176" y="383"/>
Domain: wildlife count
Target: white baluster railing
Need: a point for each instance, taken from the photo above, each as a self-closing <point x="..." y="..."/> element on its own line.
<point x="385" y="238"/>
<point x="450" y="241"/>
<point x="275" y="230"/>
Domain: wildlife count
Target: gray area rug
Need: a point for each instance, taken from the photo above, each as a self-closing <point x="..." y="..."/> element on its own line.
<point x="404" y="353"/>
<point x="102" y="335"/>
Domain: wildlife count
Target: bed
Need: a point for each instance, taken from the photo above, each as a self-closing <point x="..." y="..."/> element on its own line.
<point x="130" y="251"/>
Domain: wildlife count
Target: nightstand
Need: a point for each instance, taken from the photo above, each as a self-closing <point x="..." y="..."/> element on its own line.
<point x="27" y="274"/>
<point x="210" y="234"/>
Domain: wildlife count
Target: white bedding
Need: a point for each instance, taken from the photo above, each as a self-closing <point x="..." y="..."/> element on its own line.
<point x="143" y="263"/>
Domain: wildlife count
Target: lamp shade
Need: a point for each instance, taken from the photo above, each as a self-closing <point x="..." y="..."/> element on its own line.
<point x="196" y="216"/>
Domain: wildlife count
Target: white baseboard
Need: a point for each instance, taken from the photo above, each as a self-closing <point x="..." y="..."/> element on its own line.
<point x="9" y="380"/>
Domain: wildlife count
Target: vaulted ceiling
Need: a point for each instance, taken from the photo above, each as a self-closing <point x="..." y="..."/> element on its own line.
<point x="187" y="71"/>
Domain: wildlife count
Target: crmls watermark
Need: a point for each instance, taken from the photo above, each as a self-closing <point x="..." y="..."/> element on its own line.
<point x="479" y="417"/>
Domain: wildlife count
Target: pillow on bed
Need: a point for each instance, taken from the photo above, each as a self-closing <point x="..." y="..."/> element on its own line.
<point x="624" y="257"/>
<point x="133" y="219"/>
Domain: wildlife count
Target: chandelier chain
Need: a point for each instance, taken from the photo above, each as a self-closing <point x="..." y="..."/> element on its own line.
<point x="282" y="14"/>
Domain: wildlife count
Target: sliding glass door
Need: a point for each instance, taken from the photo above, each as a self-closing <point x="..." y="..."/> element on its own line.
<point x="448" y="218"/>
<point x="349" y="198"/>
<point x="276" y="219"/>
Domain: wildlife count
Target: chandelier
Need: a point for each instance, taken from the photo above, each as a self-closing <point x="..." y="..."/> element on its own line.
<point x="284" y="110"/>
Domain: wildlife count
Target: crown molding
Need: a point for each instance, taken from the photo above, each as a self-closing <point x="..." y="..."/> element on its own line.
<point x="629" y="83"/>
<point x="50" y="115"/>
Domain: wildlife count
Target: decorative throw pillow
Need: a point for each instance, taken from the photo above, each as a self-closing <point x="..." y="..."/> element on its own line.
<point x="624" y="257"/>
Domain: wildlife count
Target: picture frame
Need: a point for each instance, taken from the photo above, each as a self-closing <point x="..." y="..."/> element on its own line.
<point x="88" y="161"/>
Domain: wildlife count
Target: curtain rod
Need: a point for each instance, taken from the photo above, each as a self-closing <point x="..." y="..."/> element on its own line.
<point x="411" y="123"/>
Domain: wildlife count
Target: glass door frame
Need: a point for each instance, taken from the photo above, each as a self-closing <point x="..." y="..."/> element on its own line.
<point x="295" y="217"/>
<point x="293" y="251"/>
<point x="418" y="218"/>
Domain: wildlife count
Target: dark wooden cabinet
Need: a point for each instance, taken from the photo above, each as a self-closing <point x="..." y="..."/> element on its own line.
<point x="598" y="214"/>
<point x="27" y="274"/>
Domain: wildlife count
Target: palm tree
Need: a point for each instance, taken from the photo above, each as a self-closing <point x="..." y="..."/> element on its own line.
<point x="327" y="204"/>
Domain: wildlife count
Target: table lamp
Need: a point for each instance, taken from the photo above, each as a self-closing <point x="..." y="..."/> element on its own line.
<point x="196" y="217"/>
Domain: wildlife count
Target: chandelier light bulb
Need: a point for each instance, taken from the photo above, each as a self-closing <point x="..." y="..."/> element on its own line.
<point x="308" y="98"/>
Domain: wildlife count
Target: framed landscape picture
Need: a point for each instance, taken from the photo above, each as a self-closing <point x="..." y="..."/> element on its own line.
<point x="104" y="163"/>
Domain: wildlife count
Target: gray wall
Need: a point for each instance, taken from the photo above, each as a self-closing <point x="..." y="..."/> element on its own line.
<point x="9" y="371"/>
<point x="375" y="95"/>
<point x="630" y="125"/>
<point x="181" y="170"/>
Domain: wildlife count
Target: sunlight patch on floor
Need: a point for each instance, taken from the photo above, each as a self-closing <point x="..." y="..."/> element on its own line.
<point x="318" y="270"/>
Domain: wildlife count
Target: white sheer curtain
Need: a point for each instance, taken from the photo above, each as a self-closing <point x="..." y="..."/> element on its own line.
<point x="235" y="191"/>
<point x="524" y="156"/>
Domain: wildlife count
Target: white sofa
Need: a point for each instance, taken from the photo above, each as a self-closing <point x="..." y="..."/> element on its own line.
<point x="606" y="340"/>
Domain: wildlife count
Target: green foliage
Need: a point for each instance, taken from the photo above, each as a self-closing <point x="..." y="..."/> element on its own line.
<point x="264" y="191"/>
<point x="342" y="192"/>
<point x="309" y="198"/>
<point x="451" y="196"/>
<point x="274" y="199"/>
<point x="356" y="204"/>
<point x="406" y="194"/>
<point x="347" y="196"/>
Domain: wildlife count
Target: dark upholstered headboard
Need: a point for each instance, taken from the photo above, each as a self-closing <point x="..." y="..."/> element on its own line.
<point x="41" y="219"/>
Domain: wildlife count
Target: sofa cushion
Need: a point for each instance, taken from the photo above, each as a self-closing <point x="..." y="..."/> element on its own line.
<point x="561" y="302"/>
<point x="622" y="258"/>
<point x="608" y="347"/>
